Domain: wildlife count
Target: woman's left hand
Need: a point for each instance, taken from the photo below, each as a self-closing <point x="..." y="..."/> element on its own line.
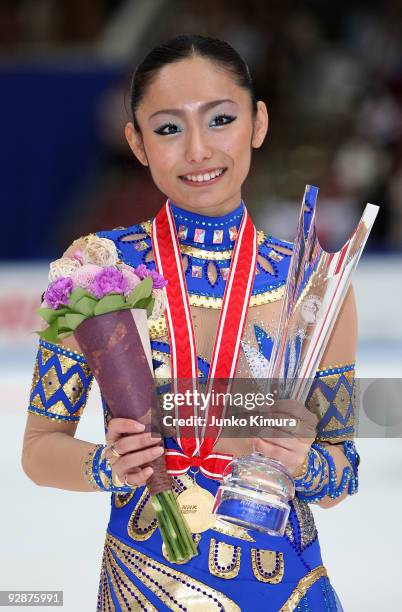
<point x="289" y="445"/>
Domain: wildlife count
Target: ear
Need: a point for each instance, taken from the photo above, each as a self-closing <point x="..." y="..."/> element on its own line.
<point x="260" y="127"/>
<point x="134" y="140"/>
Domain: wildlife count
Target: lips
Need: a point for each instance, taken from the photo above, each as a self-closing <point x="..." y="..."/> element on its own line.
<point x="205" y="177"/>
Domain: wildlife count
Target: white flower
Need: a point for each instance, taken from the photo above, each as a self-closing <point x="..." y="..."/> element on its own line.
<point x="65" y="266"/>
<point x="100" y="252"/>
<point x="160" y="303"/>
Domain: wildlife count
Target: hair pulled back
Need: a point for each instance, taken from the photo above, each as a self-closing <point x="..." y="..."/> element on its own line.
<point x="183" y="47"/>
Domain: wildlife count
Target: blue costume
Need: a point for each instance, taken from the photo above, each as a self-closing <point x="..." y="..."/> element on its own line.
<point x="235" y="569"/>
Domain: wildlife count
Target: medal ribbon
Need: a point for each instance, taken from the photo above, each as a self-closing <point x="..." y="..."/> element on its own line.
<point x="196" y="446"/>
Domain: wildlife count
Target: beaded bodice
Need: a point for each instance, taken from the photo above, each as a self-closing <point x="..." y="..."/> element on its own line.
<point x="206" y="245"/>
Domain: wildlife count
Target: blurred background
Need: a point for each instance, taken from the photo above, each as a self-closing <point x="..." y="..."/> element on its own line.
<point x="331" y="76"/>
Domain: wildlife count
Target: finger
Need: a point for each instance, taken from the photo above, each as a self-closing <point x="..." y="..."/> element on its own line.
<point x="294" y="445"/>
<point x="273" y="451"/>
<point x="297" y="429"/>
<point x="295" y="409"/>
<point x="138" y="458"/>
<point x="131" y="443"/>
<point x="139" y="478"/>
<point x="118" y="427"/>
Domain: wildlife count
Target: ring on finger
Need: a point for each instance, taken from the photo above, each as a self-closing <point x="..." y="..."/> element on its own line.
<point x="116" y="481"/>
<point x="114" y="450"/>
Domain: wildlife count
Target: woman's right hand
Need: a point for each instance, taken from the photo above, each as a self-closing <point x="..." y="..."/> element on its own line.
<point x="136" y="449"/>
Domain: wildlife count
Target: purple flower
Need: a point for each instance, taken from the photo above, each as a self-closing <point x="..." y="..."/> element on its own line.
<point x="109" y="280"/>
<point x="58" y="292"/>
<point x="157" y="279"/>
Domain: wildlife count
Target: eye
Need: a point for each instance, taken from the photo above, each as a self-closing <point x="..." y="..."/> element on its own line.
<point x="172" y="129"/>
<point x="223" y="119"/>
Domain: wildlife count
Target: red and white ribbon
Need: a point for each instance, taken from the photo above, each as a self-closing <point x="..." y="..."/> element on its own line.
<point x="196" y="445"/>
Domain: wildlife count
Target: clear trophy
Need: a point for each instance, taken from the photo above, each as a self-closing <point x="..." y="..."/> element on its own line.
<point x="255" y="490"/>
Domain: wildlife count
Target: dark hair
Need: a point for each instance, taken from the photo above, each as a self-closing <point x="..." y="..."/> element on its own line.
<point x="183" y="47"/>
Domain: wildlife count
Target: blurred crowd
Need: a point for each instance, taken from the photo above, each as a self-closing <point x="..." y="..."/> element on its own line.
<point x="330" y="74"/>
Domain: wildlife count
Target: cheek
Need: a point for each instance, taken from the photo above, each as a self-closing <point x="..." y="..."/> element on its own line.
<point x="161" y="156"/>
<point x="238" y="147"/>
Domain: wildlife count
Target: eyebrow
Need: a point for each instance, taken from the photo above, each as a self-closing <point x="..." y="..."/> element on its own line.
<point x="204" y="107"/>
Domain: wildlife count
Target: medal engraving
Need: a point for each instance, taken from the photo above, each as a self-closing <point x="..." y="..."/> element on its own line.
<point x="196" y="506"/>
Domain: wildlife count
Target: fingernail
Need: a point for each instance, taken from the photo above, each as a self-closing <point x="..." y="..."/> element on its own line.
<point x="139" y="426"/>
<point x="148" y="471"/>
<point x="158" y="450"/>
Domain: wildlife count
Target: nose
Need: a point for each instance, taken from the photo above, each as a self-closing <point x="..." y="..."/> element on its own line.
<point x="197" y="148"/>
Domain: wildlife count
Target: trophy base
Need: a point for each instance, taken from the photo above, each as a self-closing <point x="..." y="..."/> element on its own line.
<point x="246" y="509"/>
<point x="255" y="495"/>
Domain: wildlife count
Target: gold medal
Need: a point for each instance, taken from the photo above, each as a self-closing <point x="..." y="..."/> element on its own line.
<point x="196" y="506"/>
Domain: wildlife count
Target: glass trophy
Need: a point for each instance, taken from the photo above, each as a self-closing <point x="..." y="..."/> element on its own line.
<point x="255" y="491"/>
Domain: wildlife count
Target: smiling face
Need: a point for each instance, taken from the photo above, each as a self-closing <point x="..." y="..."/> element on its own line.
<point x="197" y="132"/>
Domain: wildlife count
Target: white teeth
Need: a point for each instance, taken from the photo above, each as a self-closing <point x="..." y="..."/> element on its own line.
<point x="199" y="178"/>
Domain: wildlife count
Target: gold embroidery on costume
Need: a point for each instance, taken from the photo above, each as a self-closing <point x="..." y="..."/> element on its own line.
<point x="105" y="600"/>
<point x="146" y="226"/>
<point x="302" y="587"/>
<point x="267" y="565"/>
<point x="66" y="380"/>
<point x="235" y="531"/>
<point x="206" y="301"/>
<point x="181" y="483"/>
<point x="307" y="531"/>
<point x="318" y="403"/>
<point x="177" y="590"/>
<point x="122" y="499"/>
<point x="157" y="327"/>
<point x="128" y="594"/>
<point x="334" y="400"/>
<point x="142" y="522"/>
<point x="224" y="559"/>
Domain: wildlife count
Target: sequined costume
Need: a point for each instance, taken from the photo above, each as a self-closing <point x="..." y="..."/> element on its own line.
<point x="235" y="569"/>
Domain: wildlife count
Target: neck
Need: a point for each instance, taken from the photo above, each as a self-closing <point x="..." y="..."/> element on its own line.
<point x="211" y="232"/>
<point x="214" y="209"/>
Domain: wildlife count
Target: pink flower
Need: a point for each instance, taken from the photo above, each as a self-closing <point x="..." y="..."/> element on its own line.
<point x="84" y="275"/>
<point x="108" y="280"/>
<point x="132" y="280"/>
<point x="79" y="256"/>
<point x="58" y="292"/>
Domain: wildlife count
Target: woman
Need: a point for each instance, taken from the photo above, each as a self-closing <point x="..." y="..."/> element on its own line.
<point x="195" y="123"/>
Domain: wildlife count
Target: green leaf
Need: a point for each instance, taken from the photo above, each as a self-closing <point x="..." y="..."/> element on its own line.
<point x="50" y="333"/>
<point x="48" y="314"/>
<point x="142" y="290"/>
<point x="66" y="334"/>
<point x="61" y="322"/>
<point x="76" y="295"/>
<point x="85" y="306"/>
<point x="150" y="307"/>
<point x="110" y="303"/>
<point x="143" y="303"/>
<point x="73" y="320"/>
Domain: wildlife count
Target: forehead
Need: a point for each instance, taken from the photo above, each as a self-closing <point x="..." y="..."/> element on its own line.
<point x="190" y="81"/>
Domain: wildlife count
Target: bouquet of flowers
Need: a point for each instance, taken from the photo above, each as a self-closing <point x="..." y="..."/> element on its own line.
<point x="91" y="295"/>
